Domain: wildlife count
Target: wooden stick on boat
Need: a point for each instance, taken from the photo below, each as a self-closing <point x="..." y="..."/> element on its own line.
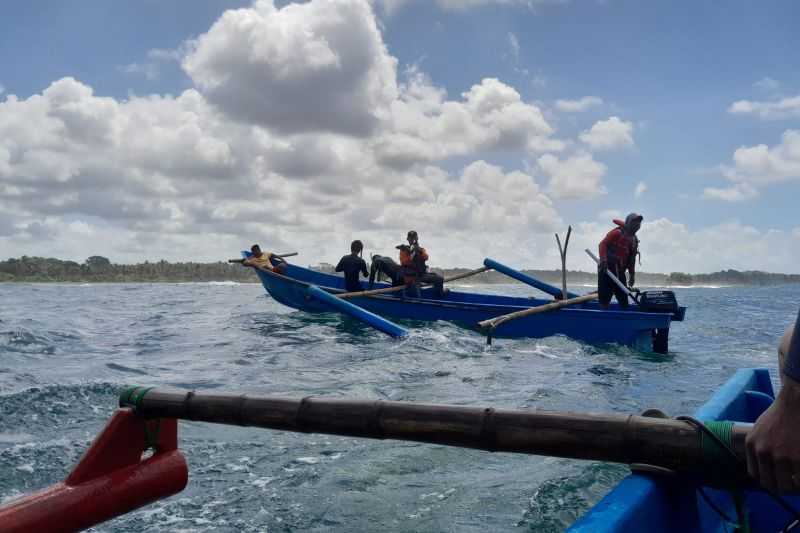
<point x="290" y="254"/>
<point x="663" y="442"/>
<point x="563" y="252"/>
<point x="399" y="288"/>
<point x="493" y="323"/>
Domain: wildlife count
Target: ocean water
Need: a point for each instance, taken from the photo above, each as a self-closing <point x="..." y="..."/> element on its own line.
<point x="66" y="350"/>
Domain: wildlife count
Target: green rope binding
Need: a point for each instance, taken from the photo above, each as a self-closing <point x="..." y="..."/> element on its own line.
<point x="125" y="396"/>
<point x="724" y="458"/>
<point x="133" y="396"/>
<point x="711" y="450"/>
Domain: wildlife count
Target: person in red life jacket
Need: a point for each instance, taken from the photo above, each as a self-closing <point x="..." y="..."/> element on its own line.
<point x="265" y="261"/>
<point x="617" y="255"/>
<point x="413" y="259"/>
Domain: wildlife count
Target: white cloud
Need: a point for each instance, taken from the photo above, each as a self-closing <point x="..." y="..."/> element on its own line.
<point x="761" y="165"/>
<point x="640" y="189"/>
<point x="427" y="127"/>
<point x="755" y="167"/>
<point x="739" y="192"/>
<point x="609" y="134"/>
<point x="320" y="65"/>
<point x="665" y="246"/>
<point x="784" y="108"/>
<point x="581" y="104"/>
<point x="576" y="177"/>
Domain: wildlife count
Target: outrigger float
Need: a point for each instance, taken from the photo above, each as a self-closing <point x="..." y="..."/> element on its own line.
<point x="644" y="325"/>
<point x="689" y="475"/>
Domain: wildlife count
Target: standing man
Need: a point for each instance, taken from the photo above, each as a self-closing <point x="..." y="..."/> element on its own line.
<point x="618" y="252"/>
<point x="352" y="265"/>
<point x="414" y="268"/>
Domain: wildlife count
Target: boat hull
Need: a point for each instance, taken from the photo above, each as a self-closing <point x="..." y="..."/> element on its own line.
<point x="587" y="322"/>
<point x="642" y="503"/>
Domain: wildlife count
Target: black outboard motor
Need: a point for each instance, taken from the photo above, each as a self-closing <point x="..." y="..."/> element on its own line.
<point x="658" y="301"/>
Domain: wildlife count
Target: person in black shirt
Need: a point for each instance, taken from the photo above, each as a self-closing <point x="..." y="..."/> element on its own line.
<point x="352" y="265"/>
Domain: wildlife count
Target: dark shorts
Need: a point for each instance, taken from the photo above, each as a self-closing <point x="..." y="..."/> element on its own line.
<point x="606" y="288"/>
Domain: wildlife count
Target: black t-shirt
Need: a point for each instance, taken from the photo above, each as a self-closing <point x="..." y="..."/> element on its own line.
<point x="351" y="265"/>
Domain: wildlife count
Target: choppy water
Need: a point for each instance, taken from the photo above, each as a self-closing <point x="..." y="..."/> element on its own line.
<point x="67" y="350"/>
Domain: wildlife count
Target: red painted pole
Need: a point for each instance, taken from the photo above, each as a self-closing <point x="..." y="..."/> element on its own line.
<point x="111" y="479"/>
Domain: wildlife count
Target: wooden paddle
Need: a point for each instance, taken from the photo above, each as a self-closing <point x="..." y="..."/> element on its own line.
<point x="290" y="254"/>
<point x="399" y="288"/>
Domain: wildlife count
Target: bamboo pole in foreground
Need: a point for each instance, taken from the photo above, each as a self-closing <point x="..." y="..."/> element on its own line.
<point x="662" y="442"/>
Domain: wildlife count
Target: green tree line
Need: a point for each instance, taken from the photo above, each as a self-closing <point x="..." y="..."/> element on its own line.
<point x="100" y="269"/>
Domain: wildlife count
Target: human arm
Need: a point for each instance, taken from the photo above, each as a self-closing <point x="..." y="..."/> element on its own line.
<point x="773" y="445"/>
<point x="340" y="266"/>
<point x="609" y="239"/>
<point x="364" y="271"/>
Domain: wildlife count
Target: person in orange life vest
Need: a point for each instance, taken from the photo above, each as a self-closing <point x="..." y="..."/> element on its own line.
<point x="617" y="255"/>
<point x="414" y="269"/>
<point x="265" y="261"/>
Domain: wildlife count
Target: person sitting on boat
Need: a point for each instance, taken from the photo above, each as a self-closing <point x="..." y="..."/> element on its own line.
<point x="413" y="264"/>
<point x="618" y="252"/>
<point x="265" y="261"/>
<point x="382" y="264"/>
<point x="773" y="445"/>
<point x="352" y="265"/>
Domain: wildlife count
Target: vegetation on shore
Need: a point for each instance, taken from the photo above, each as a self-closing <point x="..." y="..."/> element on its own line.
<point x="100" y="269"/>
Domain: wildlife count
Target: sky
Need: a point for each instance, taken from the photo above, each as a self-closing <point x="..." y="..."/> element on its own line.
<point x="191" y="129"/>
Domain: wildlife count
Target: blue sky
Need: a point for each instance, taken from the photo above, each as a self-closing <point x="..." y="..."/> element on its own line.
<point x="670" y="72"/>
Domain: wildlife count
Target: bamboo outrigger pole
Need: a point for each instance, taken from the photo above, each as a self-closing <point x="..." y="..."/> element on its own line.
<point x="665" y="443"/>
<point x="494" y="323"/>
<point x="387" y="290"/>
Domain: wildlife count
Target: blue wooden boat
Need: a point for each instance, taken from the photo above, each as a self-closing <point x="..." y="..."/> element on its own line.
<point x="587" y="322"/>
<point x="644" y="503"/>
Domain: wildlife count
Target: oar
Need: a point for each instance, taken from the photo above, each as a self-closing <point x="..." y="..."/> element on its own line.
<point x="399" y="288"/>
<point x="290" y="254"/>
<point x="493" y="323"/>
<point x="614" y="278"/>
<point x="662" y="442"/>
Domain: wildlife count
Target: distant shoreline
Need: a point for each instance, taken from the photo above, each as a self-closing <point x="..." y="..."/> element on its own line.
<point x="98" y="269"/>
